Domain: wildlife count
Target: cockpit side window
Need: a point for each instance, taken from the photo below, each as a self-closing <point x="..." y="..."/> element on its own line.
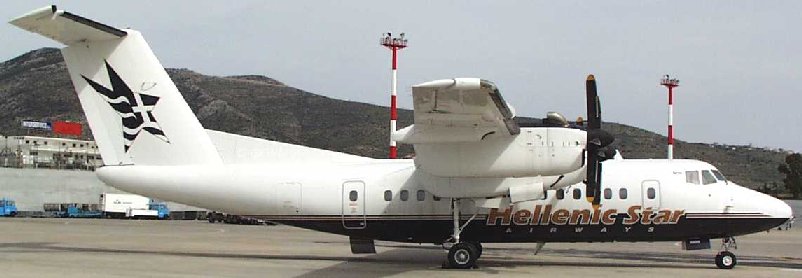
<point x="707" y="177"/>
<point x="692" y="177"/>
<point x="719" y="175"/>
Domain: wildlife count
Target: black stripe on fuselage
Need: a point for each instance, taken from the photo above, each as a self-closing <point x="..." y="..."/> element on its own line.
<point x="437" y="228"/>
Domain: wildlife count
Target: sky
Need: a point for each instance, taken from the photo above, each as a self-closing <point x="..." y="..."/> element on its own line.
<point x="737" y="61"/>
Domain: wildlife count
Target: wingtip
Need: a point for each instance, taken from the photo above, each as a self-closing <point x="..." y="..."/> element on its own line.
<point x="24" y="21"/>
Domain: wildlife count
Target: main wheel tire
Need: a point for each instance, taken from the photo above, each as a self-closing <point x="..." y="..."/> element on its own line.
<point x="462" y="255"/>
<point x="726" y="260"/>
<point x="478" y="246"/>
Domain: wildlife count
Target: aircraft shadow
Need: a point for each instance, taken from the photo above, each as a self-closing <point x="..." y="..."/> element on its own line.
<point x="403" y="258"/>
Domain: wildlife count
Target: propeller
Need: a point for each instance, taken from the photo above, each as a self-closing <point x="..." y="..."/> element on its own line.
<point x="597" y="140"/>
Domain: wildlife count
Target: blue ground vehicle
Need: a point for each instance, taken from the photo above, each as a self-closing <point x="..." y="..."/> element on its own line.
<point x="8" y="208"/>
<point x="161" y="208"/>
<point x="74" y="211"/>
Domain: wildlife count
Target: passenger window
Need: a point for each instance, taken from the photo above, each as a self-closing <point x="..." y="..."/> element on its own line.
<point x="577" y="193"/>
<point x="404" y="195"/>
<point x="707" y="177"/>
<point x="560" y="194"/>
<point x="692" y="177"/>
<point x="388" y="195"/>
<point x="622" y="193"/>
<point x="608" y="193"/>
<point x="650" y="193"/>
<point x="421" y="195"/>
<point x="435" y="198"/>
<point x="353" y="196"/>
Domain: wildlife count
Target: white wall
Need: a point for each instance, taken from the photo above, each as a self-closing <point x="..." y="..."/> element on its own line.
<point x="32" y="188"/>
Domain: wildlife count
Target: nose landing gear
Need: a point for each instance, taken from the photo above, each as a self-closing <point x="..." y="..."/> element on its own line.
<point x="726" y="259"/>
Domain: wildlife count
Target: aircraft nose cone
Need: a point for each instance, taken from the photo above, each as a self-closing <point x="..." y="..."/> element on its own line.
<point x="777" y="209"/>
<point x="784" y="210"/>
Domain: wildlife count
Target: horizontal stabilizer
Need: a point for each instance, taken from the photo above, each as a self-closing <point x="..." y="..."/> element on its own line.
<point x="65" y="27"/>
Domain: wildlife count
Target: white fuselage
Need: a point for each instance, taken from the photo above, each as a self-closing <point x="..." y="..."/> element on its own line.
<point x="310" y="195"/>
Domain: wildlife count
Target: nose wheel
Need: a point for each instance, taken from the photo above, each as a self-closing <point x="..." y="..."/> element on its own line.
<point x="726" y="259"/>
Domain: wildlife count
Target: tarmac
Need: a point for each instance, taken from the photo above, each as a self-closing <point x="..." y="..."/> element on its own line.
<point x="149" y="248"/>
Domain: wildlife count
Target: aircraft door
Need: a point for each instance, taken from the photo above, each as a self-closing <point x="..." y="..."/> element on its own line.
<point x="353" y="206"/>
<point x="650" y="194"/>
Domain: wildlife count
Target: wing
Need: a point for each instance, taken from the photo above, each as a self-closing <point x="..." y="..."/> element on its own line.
<point x="65" y="27"/>
<point x="457" y="110"/>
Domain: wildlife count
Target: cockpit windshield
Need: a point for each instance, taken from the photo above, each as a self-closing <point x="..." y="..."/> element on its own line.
<point x="719" y="175"/>
<point x="707" y="177"/>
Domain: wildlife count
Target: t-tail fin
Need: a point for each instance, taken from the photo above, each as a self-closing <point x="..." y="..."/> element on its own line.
<point x="136" y="113"/>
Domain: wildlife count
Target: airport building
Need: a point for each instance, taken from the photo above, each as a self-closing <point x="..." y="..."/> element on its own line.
<point x="48" y="152"/>
<point x="38" y="170"/>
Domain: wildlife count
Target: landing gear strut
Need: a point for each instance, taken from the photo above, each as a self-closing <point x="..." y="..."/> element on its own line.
<point x="462" y="254"/>
<point x="726" y="259"/>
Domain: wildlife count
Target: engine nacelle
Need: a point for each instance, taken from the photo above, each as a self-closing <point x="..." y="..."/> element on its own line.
<point x="526" y="187"/>
<point x="536" y="151"/>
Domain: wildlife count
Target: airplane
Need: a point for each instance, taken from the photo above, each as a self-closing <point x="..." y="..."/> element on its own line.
<point x="480" y="174"/>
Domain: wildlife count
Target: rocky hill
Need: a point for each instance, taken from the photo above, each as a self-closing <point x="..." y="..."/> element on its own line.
<point x="36" y="86"/>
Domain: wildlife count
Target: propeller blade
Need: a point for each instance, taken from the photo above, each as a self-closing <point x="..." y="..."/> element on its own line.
<point x="597" y="139"/>
<point x="591" y="180"/>
<point x="592" y="98"/>
<point x="597" y="190"/>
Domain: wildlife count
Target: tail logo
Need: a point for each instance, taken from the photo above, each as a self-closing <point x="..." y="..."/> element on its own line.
<point x="135" y="108"/>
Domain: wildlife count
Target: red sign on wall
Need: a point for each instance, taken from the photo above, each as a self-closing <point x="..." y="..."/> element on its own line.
<point x="67" y="128"/>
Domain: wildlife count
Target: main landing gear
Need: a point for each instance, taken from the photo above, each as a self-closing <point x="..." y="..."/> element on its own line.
<point x="726" y="259"/>
<point x="461" y="254"/>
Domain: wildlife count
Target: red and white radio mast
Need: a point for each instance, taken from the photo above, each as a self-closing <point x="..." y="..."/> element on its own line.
<point x="670" y="84"/>
<point x="394" y="44"/>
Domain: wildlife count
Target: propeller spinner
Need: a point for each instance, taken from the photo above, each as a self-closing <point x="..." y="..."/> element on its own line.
<point x="597" y="140"/>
